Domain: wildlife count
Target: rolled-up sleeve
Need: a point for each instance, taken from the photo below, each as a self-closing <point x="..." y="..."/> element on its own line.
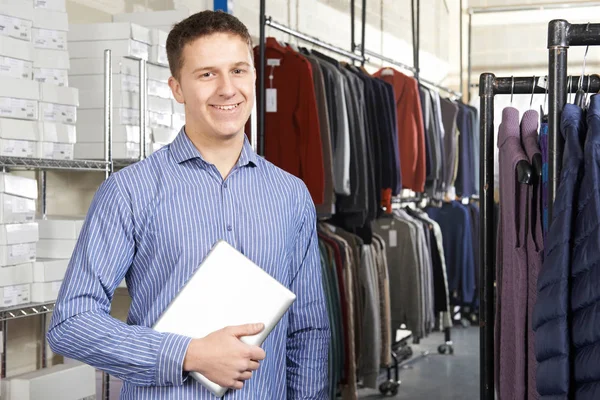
<point x="81" y="326"/>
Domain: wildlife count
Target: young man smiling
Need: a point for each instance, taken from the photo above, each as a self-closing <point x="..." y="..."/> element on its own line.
<point x="155" y="221"/>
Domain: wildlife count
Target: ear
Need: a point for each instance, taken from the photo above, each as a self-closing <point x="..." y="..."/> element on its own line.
<point x="176" y="90"/>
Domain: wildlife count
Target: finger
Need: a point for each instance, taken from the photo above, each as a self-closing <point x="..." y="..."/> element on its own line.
<point x="257" y="353"/>
<point x="244" y="376"/>
<point x="246" y="330"/>
<point x="238" y="385"/>
<point x="253" y="365"/>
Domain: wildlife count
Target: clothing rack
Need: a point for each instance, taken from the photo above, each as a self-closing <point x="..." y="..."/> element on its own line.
<point x="489" y="87"/>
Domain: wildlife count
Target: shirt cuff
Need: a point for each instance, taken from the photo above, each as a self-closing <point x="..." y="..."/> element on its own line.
<point x="169" y="369"/>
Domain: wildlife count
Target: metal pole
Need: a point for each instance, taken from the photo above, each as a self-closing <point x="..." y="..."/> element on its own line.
<point x="4" y="340"/>
<point x="487" y="256"/>
<point x="536" y="7"/>
<point x="44" y="355"/>
<point x="558" y="43"/>
<point x="261" y="80"/>
<point x="352" y="16"/>
<point x="108" y="112"/>
<point x="470" y="62"/>
<point x="143" y="108"/>
<point x="460" y="40"/>
<point x="43" y="182"/>
<point x="364" y="30"/>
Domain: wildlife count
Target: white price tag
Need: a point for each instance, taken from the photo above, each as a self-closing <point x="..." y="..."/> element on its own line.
<point x="18" y="108"/>
<point x="15" y="27"/>
<point x="21" y="253"/>
<point x="58" y="77"/>
<point x="273" y="62"/>
<point x="47" y="39"/>
<point x="393" y="238"/>
<point x="271" y="100"/>
<point x="11" y="293"/>
<point x="13" y="68"/>
<point x="50" y="112"/>
<point x="68" y="114"/>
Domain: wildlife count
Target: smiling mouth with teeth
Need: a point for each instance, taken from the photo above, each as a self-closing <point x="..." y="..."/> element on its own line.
<point x="227" y="108"/>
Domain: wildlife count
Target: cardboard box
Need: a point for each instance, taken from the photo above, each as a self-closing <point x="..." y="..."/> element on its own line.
<point x="95" y="66"/>
<point x="18" y="108"/>
<point x="16" y="20"/>
<point x="16" y="275"/>
<point x="16" y="69"/>
<point x="51" y="59"/>
<point x="121" y="151"/>
<point x="59" y="95"/>
<point x="120" y="48"/>
<point x="72" y="381"/>
<point x="92" y="99"/>
<point x="18" y="148"/>
<point x="94" y="133"/>
<point x="19" y="49"/>
<point x="56" y="151"/>
<point x="19" y="130"/>
<point x="95" y="83"/>
<point x="57" y="133"/>
<point x="15" y="254"/>
<point x="158" y="54"/>
<point x="109" y="31"/>
<point x="18" y="233"/>
<point x="159" y="120"/>
<point x="56" y="5"/>
<point x="48" y="270"/>
<point x="50" y="112"/>
<point x="159" y="89"/>
<point x="51" y="20"/>
<point x="59" y="228"/>
<point x="158" y="73"/>
<point x="18" y="186"/>
<point x="55" y="248"/>
<point x="15" y="209"/>
<point x="58" y="77"/>
<point x="121" y="116"/>
<point x="11" y="296"/>
<point x="154" y="18"/>
<point x="19" y="89"/>
<point x="164" y="135"/>
<point x="178" y="120"/>
<point x="48" y="39"/>
<point x="43" y="292"/>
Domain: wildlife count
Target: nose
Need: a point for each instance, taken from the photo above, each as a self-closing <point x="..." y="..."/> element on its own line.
<point x="226" y="87"/>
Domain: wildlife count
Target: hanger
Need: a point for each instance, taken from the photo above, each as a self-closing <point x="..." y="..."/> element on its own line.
<point x="524" y="170"/>
<point x="512" y="89"/>
<point x="580" y="96"/>
<point x="537" y="158"/>
<point x="543" y="115"/>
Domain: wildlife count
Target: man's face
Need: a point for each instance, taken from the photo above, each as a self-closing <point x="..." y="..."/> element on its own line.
<point x="216" y="84"/>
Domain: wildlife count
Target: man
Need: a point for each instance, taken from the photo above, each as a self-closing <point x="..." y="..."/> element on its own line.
<point x="155" y="221"/>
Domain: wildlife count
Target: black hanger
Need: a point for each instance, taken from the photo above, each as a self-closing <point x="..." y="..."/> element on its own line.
<point x="525" y="172"/>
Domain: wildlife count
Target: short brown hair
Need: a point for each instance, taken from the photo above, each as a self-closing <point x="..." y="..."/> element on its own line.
<point x="196" y="26"/>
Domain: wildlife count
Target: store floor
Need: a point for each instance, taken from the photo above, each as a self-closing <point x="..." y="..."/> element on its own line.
<point x="435" y="376"/>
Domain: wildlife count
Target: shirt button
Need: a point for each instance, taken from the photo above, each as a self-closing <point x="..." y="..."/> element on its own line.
<point x="225" y="185"/>
<point x="229" y="228"/>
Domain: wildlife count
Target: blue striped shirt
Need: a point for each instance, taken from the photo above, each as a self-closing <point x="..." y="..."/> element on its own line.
<point x="153" y="223"/>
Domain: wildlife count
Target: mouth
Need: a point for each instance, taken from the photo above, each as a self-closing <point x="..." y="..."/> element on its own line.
<point x="228" y="107"/>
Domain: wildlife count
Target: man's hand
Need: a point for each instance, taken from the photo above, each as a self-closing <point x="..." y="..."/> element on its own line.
<point x="223" y="358"/>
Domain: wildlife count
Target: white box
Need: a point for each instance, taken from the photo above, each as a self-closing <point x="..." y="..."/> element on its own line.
<point x="121" y="151"/>
<point x="58" y="77"/>
<point x="159" y="120"/>
<point x="15" y="68"/>
<point x="92" y="99"/>
<point x="51" y="59"/>
<point x="178" y="120"/>
<point x="50" y="19"/>
<point x="94" y="133"/>
<point x="49" y="270"/>
<point x="109" y="31"/>
<point x="95" y="66"/>
<point x="56" y="151"/>
<point x="56" y="248"/>
<point x="59" y="95"/>
<point x="120" y="48"/>
<point x="18" y="186"/>
<point x="18" y="233"/>
<point x="159" y="73"/>
<point x="16" y="275"/>
<point x="56" y="5"/>
<point x="164" y="135"/>
<point x="121" y="83"/>
<point x="160" y="105"/>
<point x="19" y="108"/>
<point x="16" y="21"/>
<point x="14" y="296"/>
<point x="19" y="130"/>
<point x="57" y="133"/>
<point x="13" y="48"/>
<point x="158" y="54"/>
<point x="48" y="39"/>
<point x="178" y="108"/>
<point x="15" y="209"/>
<point x="15" y="254"/>
<point x="60" y="228"/>
<point x="18" y="148"/>
<point x="121" y="116"/>
<point x="42" y="292"/>
<point x="50" y="112"/>
<point x="72" y="381"/>
<point x="159" y="89"/>
<point x="19" y="89"/>
<point x="159" y="37"/>
<point x="154" y="18"/>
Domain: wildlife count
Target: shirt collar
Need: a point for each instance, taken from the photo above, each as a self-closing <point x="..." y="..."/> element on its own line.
<point x="183" y="149"/>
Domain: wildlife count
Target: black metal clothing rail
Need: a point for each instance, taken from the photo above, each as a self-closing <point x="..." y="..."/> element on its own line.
<point x="490" y="86"/>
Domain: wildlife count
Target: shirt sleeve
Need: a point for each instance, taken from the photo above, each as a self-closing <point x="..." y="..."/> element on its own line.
<point x="308" y="329"/>
<point x="82" y="328"/>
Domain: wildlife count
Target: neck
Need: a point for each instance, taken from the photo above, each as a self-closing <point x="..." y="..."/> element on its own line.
<point x="223" y="153"/>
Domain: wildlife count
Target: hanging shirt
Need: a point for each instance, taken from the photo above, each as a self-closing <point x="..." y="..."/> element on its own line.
<point x="449" y="114"/>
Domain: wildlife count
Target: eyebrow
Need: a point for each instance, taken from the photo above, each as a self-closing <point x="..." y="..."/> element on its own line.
<point x="237" y="64"/>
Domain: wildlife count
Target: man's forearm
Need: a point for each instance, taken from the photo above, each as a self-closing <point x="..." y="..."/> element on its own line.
<point x="307" y="367"/>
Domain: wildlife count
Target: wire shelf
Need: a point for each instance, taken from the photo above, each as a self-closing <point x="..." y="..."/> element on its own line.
<point x="42" y="163"/>
<point x="25" y="310"/>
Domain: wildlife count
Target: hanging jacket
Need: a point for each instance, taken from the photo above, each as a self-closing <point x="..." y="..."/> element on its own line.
<point x="585" y="270"/>
<point x="550" y="321"/>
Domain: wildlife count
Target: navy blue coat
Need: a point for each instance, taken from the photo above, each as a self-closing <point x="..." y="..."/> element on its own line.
<point x="550" y="317"/>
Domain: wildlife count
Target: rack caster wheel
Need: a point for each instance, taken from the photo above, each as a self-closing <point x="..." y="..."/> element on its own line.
<point x="445" y="348"/>
<point x="389" y="388"/>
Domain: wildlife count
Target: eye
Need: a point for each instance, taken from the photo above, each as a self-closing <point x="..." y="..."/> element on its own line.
<point x="238" y="71"/>
<point x="206" y="75"/>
